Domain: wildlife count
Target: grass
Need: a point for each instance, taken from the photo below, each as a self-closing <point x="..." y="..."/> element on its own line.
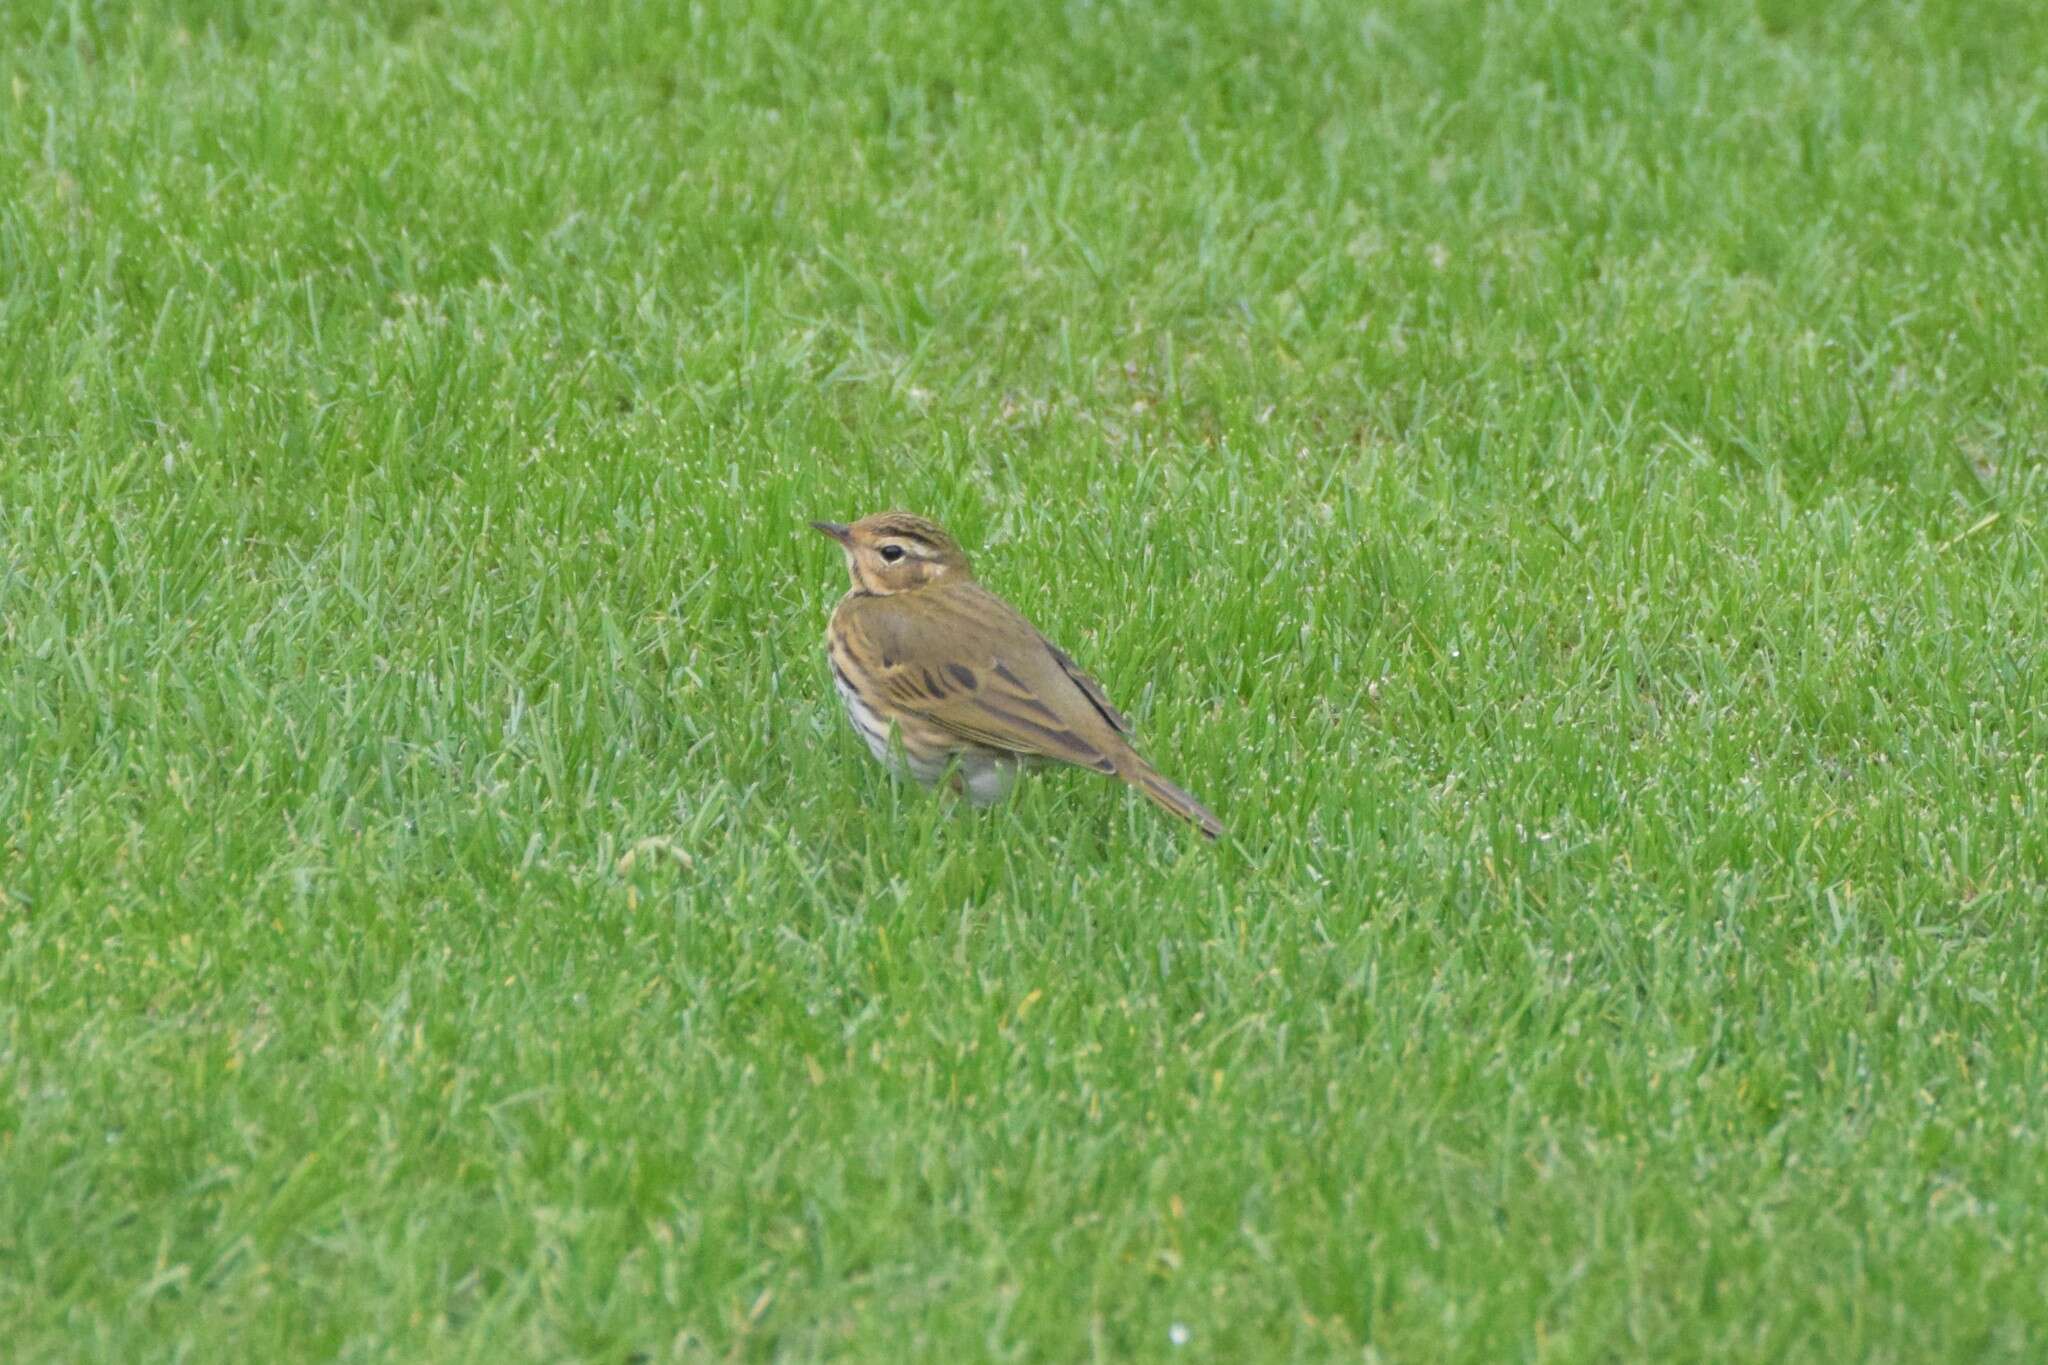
<point x="1564" y="480"/>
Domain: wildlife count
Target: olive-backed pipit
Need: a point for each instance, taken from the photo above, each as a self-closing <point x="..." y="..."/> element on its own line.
<point x="962" y="678"/>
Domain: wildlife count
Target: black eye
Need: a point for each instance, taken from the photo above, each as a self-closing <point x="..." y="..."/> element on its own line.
<point x="891" y="553"/>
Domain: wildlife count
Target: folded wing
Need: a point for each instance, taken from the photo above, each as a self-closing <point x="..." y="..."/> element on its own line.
<point x="981" y="677"/>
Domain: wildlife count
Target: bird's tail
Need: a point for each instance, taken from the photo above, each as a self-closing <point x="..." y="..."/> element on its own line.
<point x="1146" y="779"/>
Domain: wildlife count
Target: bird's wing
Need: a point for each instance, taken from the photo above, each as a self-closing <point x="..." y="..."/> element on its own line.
<point x="968" y="663"/>
<point x="1091" y="689"/>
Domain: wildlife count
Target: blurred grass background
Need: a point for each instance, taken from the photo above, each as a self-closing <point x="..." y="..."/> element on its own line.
<point x="1562" y="479"/>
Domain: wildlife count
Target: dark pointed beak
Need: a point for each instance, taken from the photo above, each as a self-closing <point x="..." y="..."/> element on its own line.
<point x="835" y="529"/>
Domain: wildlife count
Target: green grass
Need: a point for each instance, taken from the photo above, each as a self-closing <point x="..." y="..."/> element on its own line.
<point x="1564" y="480"/>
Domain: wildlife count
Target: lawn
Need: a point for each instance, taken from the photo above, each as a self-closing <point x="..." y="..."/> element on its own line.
<point x="1564" y="480"/>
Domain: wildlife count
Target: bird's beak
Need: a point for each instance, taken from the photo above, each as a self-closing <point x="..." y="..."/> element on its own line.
<point x="835" y="529"/>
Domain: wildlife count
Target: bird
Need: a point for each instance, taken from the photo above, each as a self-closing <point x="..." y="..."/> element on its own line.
<point x="966" y="684"/>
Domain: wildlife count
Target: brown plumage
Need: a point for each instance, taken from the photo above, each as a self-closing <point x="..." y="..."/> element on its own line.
<point x="965" y="682"/>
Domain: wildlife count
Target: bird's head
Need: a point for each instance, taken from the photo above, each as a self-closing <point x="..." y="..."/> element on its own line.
<point x="894" y="552"/>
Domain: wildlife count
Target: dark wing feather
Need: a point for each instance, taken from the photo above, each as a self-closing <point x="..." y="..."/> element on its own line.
<point x="1090" y="689"/>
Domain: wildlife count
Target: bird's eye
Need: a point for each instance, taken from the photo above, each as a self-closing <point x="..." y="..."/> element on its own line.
<point x="891" y="553"/>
